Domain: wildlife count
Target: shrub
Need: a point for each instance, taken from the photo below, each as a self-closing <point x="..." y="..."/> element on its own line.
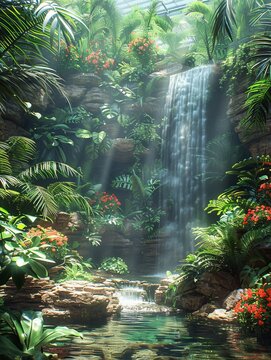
<point x="254" y="309"/>
<point x="53" y="243"/>
<point x="114" y="265"/>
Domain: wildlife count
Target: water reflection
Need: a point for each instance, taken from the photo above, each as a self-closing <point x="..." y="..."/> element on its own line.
<point x="133" y="336"/>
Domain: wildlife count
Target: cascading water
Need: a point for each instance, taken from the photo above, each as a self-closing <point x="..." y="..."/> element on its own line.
<point x="183" y="194"/>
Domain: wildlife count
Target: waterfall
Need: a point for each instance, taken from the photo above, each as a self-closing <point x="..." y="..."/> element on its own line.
<point x="183" y="195"/>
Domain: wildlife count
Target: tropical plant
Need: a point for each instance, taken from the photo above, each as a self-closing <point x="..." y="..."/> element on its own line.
<point x="18" y="180"/>
<point x="200" y="16"/>
<point x="140" y="208"/>
<point x="27" y="29"/>
<point x="114" y="265"/>
<point x="54" y="243"/>
<point x="23" y="336"/>
<point x="234" y="244"/>
<point x="75" y="270"/>
<point x="64" y="133"/>
<point x="253" y="310"/>
<point x="254" y="16"/>
<point x="17" y="260"/>
<point x="255" y="277"/>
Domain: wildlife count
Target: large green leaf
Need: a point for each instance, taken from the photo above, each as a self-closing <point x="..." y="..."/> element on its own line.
<point x="60" y="332"/>
<point x="9" y="349"/>
<point x="39" y="269"/>
<point x="32" y="324"/>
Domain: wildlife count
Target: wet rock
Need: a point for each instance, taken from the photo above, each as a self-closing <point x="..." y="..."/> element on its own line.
<point x="87" y="80"/>
<point x="231" y="300"/>
<point x="122" y="150"/>
<point x="205" y="310"/>
<point x="94" y="99"/>
<point x="72" y="301"/>
<point x="190" y="302"/>
<point x="222" y="315"/>
<point x="161" y="291"/>
<point x="216" y="285"/>
<point x="75" y="93"/>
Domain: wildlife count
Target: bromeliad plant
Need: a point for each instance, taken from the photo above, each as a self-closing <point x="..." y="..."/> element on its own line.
<point x="23" y="336"/>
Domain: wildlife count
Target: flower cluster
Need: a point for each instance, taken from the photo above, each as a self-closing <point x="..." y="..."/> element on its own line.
<point x="99" y="61"/>
<point x="145" y="51"/>
<point x="141" y="45"/>
<point x="107" y="204"/>
<point x="254" y="309"/>
<point x="70" y="58"/>
<point x="53" y="243"/>
<point x="265" y="189"/>
<point x="261" y="213"/>
<point x="95" y="60"/>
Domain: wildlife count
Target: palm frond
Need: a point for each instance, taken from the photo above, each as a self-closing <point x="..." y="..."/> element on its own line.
<point x="5" y="166"/>
<point x="63" y="21"/>
<point x="223" y="21"/>
<point x="198" y="7"/>
<point x="21" y="151"/>
<point x="122" y="182"/>
<point x="21" y="34"/>
<point x="7" y="181"/>
<point x="258" y="104"/>
<point x="41" y="199"/>
<point x="20" y="83"/>
<point x="68" y="198"/>
<point x="48" y="170"/>
<point x="262" y="44"/>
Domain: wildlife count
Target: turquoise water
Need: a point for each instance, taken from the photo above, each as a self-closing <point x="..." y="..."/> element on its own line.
<point x="135" y="336"/>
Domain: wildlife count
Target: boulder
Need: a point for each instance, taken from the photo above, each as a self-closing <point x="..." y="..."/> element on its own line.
<point x="216" y="285"/>
<point x="231" y="300"/>
<point x="190" y="302"/>
<point x="94" y="99"/>
<point x="222" y="315"/>
<point x="204" y="310"/>
<point x="75" y="93"/>
<point x="87" y="80"/>
<point x="122" y="150"/>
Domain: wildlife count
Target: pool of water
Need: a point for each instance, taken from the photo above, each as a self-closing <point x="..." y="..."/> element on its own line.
<point x="137" y="336"/>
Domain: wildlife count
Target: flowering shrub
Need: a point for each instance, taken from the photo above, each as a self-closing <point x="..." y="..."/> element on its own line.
<point x="144" y="50"/>
<point x="107" y="204"/>
<point x="97" y="61"/>
<point x="53" y="243"/>
<point x="260" y="214"/>
<point x="254" y="309"/>
<point x="264" y="193"/>
<point x="72" y="58"/>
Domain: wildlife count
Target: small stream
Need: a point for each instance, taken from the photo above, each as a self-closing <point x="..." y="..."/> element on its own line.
<point x="137" y="336"/>
<point x="146" y="331"/>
